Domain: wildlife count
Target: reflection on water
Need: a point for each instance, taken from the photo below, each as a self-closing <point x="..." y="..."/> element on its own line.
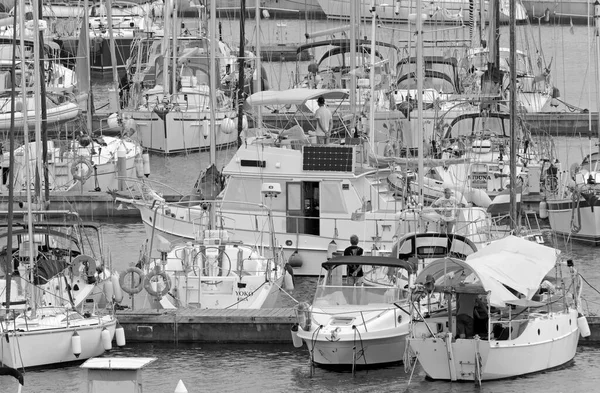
<point x="277" y="368"/>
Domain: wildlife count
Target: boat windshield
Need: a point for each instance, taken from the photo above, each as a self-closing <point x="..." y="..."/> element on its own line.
<point x="378" y="285"/>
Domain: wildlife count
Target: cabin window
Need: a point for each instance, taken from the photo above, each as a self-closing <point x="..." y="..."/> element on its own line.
<point x="332" y="200"/>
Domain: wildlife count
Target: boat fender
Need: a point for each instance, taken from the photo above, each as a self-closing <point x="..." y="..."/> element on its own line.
<point x="109" y="291"/>
<point x="543" y="212"/>
<point x="288" y="277"/>
<point x="120" y="336"/>
<point x="584" y="328"/>
<point x="303" y="316"/>
<point x="76" y="344"/>
<point x="88" y="263"/>
<point x="117" y="291"/>
<point x="132" y="289"/>
<point x="155" y="292"/>
<point x="78" y="172"/>
<point x="106" y="339"/>
<point x="139" y="166"/>
<point x="146" y="160"/>
<point x="295" y="339"/>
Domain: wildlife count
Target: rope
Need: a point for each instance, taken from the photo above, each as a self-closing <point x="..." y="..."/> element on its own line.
<point x="588" y="283"/>
<point x="575" y="197"/>
<point x="312" y="350"/>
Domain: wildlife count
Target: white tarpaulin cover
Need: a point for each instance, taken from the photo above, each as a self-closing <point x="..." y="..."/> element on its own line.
<point x="510" y="262"/>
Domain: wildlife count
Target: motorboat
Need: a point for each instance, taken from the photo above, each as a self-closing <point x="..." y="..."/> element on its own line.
<point x="523" y="317"/>
<point x="357" y="323"/>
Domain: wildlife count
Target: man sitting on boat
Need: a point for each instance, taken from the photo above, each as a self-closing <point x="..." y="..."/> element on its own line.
<point x="324" y="121"/>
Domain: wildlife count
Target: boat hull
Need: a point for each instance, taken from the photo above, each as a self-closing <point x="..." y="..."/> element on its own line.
<point x="547" y="342"/>
<point x="179" y="132"/>
<point x="580" y="221"/>
<point x="52" y="346"/>
<point x="447" y="11"/>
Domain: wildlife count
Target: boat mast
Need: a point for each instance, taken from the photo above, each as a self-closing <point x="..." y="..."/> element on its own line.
<point x="241" y="65"/>
<point x="372" y="76"/>
<point x="597" y="34"/>
<point x="26" y="140"/>
<point x="514" y="214"/>
<point x="39" y="98"/>
<point x="85" y="42"/>
<point x="421" y="166"/>
<point x="258" y="71"/>
<point x="352" y="87"/>
<point x="43" y="123"/>
<point x="213" y="80"/>
<point x="113" y="56"/>
<point x="9" y="268"/>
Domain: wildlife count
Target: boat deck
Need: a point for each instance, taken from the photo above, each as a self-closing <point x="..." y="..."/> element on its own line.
<point x="269" y="325"/>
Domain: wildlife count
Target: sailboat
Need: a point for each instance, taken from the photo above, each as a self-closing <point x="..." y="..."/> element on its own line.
<point x="572" y="206"/>
<point x="170" y="100"/>
<point x="508" y="321"/>
<point x="54" y="268"/>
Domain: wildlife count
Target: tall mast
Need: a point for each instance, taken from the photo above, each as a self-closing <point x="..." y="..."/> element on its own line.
<point x="372" y="76"/>
<point x="258" y="59"/>
<point x="113" y="56"/>
<point x="241" y="65"/>
<point x="421" y="166"/>
<point x="26" y="139"/>
<point x="11" y="176"/>
<point x="42" y="134"/>
<point x="513" y="121"/>
<point x="85" y="42"/>
<point x="352" y="87"/>
<point x="213" y="80"/>
<point x="597" y="35"/>
<point x="39" y="84"/>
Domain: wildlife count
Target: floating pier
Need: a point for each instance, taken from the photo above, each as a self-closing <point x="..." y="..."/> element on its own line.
<point x="268" y="325"/>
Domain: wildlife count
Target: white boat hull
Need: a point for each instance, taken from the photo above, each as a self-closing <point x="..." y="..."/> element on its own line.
<point x="580" y="222"/>
<point x="546" y="342"/>
<point x="449" y="11"/>
<point x="52" y="346"/>
<point x="180" y="132"/>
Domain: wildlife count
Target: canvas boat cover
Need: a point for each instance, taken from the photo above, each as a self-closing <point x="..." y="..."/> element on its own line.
<point x="510" y="269"/>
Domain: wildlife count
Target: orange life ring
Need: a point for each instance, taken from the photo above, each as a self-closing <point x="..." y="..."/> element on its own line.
<point x="133" y="289"/>
<point x="152" y="291"/>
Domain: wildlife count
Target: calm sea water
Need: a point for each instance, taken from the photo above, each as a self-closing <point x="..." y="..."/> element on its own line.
<point x="277" y="368"/>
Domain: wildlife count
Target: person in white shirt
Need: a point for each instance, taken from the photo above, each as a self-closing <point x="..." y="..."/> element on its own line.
<point x="446" y="207"/>
<point x="324" y="120"/>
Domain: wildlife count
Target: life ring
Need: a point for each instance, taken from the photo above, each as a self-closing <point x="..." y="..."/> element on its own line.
<point x="87" y="261"/>
<point x="81" y="175"/>
<point x="132" y="290"/>
<point x="152" y="291"/>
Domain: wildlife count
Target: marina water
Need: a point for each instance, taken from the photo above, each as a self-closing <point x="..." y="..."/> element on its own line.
<point x="277" y="368"/>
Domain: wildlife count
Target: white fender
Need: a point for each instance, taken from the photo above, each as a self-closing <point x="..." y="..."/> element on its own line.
<point x="120" y="336"/>
<point x="76" y="344"/>
<point x="106" y="340"/>
<point x="117" y="291"/>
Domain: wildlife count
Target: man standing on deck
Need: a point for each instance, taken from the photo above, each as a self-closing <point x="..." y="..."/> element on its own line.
<point x="324" y="121"/>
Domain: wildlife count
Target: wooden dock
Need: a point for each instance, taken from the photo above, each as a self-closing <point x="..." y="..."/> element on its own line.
<point x="269" y="325"/>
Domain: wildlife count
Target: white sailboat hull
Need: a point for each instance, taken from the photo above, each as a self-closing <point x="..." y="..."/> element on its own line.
<point x="180" y="132"/>
<point x="546" y="342"/>
<point x="47" y="346"/>
<point x="579" y="222"/>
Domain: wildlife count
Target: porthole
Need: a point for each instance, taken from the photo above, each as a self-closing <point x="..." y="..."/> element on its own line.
<point x="557" y="328"/>
<point x="569" y="322"/>
<point x="538" y="332"/>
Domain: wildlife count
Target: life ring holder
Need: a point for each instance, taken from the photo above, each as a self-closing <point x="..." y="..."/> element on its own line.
<point x="87" y="261"/>
<point x="76" y="174"/>
<point x="152" y="291"/>
<point x="132" y="290"/>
